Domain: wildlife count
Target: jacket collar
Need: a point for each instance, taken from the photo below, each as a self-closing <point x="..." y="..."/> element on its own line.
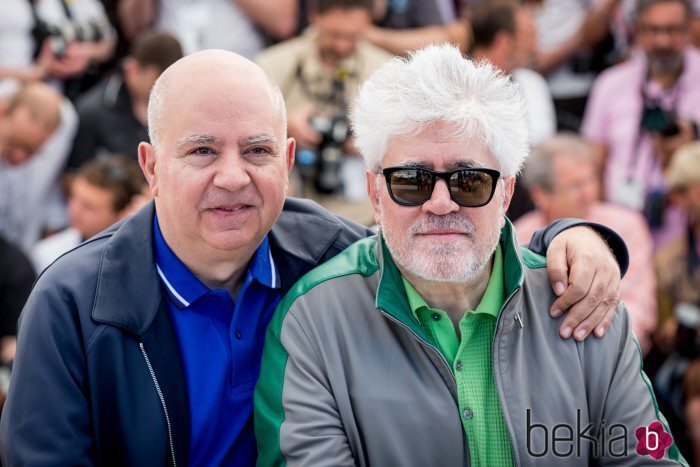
<point x="128" y="287"/>
<point x="301" y="238"/>
<point x="128" y="290"/>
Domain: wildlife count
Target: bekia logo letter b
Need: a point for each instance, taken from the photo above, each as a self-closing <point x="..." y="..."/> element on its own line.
<point x="652" y="440"/>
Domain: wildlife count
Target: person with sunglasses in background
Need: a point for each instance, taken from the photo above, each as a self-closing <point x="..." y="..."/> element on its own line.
<point x="429" y="343"/>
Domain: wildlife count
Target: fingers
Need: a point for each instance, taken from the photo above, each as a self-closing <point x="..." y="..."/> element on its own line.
<point x="557" y="271"/>
<point x="583" y="315"/>
<point x="594" y="312"/>
<point x="580" y="281"/>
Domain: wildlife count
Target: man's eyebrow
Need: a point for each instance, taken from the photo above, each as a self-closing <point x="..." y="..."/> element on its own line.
<point x="467" y="165"/>
<point x="193" y="140"/>
<point x="257" y="139"/>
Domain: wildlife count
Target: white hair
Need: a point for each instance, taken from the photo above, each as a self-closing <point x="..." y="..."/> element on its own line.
<point x="437" y="84"/>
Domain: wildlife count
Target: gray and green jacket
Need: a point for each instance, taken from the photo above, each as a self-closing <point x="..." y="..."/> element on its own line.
<point x="350" y="378"/>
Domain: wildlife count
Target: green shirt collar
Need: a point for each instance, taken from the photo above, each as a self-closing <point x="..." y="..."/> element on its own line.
<point x="391" y="295"/>
<point x="491" y="302"/>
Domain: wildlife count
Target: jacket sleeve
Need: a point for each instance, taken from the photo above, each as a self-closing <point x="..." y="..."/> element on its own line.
<point x="543" y="237"/>
<point x="45" y="419"/>
<point x="296" y="416"/>
<point x="629" y="404"/>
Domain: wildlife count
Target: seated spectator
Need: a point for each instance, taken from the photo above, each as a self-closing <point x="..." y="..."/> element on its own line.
<point x="320" y="74"/>
<point x="104" y="191"/>
<point x="35" y="126"/>
<point x="113" y="113"/>
<point x="562" y="180"/>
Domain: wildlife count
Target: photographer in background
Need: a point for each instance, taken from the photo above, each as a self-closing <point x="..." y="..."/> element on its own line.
<point x="641" y="111"/>
<point x="54" y="39"/>
<point x="320" y="73"/>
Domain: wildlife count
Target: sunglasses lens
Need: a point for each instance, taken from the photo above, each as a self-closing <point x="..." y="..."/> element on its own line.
<point x="471" y="189"/>
<point x="411" y="186"/>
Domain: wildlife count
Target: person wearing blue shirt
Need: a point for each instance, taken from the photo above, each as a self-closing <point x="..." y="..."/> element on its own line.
<point x="142" y="346"/>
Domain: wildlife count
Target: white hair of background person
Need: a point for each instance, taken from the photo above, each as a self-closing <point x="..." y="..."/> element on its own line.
<point x="437" y="84"/>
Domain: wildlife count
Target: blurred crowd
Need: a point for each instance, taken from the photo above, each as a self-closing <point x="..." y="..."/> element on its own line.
<point x="610" y="87"/>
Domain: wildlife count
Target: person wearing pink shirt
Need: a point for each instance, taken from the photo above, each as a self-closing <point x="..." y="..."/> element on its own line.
<point x="640" y="111"/>
<point x="562" y="180"/>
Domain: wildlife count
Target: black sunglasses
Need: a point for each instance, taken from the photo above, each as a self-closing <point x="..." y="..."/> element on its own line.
<point x="412" y="186"/>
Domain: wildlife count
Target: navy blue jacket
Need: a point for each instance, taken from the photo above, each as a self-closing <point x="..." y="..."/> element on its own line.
<point x="98" y="377"/>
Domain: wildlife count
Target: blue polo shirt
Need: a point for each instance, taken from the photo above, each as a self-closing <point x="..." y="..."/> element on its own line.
<point x="220" y="342"/>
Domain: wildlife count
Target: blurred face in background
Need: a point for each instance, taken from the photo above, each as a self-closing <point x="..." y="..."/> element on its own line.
<point x="21" y="136"/>
<point x="140" y="78"/>
<point x="338" y="31"/>
<point x="575" y="189"/>
<point x="91" y="208"/>
<point x="662" y="31"/>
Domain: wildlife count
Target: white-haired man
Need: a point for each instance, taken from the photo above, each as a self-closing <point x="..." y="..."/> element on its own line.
<point x="427" y="345"/>
<point x="142" y="346"/>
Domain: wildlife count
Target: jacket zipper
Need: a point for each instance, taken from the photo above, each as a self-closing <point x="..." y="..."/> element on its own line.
<point x="439" y="354"/>
<point x="506" y="415"/>
<point x="516" y="456"/>
<point x="162" y="402"/>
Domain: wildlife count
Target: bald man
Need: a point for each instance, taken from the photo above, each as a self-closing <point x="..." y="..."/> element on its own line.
<point x="142" y="346"/>
<point x="31" y="160"/>
<point x="28" y="119"/>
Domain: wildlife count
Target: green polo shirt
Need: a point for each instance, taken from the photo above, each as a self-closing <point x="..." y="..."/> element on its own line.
<point x="470" y="359"/>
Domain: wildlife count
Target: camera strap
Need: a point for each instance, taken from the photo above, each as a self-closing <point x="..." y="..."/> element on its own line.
<point x="648" y="101"/>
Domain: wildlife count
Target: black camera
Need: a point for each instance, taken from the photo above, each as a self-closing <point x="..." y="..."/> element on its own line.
<point x="657" y="120"/>
<point x="321" y="166"/>
<point x="60" y="36"/>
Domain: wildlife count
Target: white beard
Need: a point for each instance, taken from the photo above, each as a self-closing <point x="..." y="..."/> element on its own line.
<point x="459" y="262"/>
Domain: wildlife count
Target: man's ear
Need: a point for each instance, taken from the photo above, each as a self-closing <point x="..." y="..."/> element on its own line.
<point x="147" y="161"/>
<point x="373" y="192"/>
<point x="291" y="153"/>
<point x="508" y="187"/>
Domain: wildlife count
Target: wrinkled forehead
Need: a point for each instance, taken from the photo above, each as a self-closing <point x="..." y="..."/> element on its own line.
<point x="439" y="144"/>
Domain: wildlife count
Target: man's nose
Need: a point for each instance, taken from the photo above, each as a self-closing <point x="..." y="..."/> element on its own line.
<point x="231" y="172"/>
<point x="440" y="201"/>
